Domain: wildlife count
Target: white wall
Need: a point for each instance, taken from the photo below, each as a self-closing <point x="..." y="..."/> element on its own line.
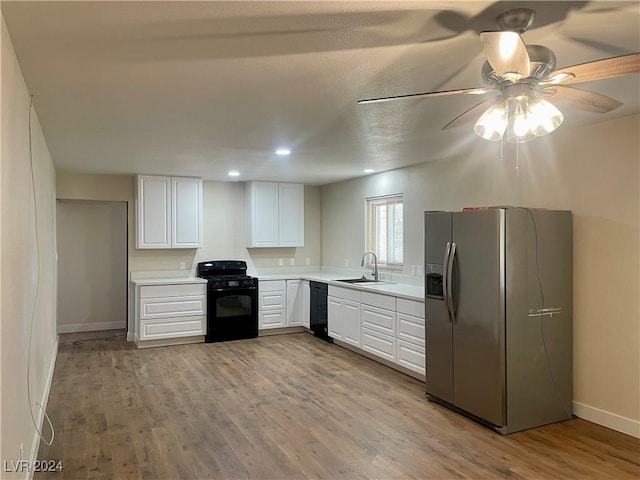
<point x="593" y="171"/>
<point x="27" y="263"/>
<point x="224" y="223"/>
<point x="92" y="265"/>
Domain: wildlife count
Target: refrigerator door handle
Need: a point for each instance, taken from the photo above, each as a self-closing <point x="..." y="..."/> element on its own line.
<point x="449" y="284"/>
<point x="445" y="280"/>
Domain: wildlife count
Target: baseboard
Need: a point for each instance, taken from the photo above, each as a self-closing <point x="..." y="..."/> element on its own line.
<point x="278" y="331"/>
<point x="607" y="419"/>
<point x="35" y="444"/>
<point x="91" y="327"/>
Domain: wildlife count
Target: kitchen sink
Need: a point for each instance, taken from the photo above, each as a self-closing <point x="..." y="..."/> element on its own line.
<point x="363" y="281"/>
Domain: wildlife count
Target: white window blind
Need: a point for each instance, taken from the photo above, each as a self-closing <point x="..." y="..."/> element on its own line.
<point x="385" y="229"/>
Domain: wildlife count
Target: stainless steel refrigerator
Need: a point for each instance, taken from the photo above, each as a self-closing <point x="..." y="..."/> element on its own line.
<point x="498" y="313"/>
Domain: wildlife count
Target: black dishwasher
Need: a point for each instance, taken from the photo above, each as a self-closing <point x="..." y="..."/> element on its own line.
<point x="318" y="310"/>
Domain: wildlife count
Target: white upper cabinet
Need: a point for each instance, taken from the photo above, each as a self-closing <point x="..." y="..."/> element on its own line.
<point x="168" y="212"/>
<point x="275" y="214"/>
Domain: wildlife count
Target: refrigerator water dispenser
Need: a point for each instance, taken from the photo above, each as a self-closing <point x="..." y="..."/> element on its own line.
<point x="434" y="281"/>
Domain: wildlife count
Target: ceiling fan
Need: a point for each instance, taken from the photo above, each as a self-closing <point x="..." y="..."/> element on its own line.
<point x="524" y="79"/>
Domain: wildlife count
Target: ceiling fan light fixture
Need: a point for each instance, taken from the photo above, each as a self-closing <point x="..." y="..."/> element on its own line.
<point x="492" y="124"/>
<point x="544" y="117"/>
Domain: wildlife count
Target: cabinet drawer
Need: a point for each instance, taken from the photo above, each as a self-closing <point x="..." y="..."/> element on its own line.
<point x="381" y="301"/>
<point x="272" y="301"/>
<point x="346" y="293"/>
<point x="411" y="356"/>
<point x="172" y="327"/>
<point x="379" y="344"/>
<point x="411" y="329"/>
<point x="272" y="285"/>
<point x="173" y="290"/>
<point x="271" y="319"/>
<point x="411" y="307"/>
<point x="172" y="307"/>
<point x="378" y="319"/>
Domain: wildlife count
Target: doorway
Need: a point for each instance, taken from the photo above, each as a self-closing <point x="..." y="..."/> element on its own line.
<point x="92" y="265"/>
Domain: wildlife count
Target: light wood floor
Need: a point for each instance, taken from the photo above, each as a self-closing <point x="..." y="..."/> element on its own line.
<point x="287" y="407"/>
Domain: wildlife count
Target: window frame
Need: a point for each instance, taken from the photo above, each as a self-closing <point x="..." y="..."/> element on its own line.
<point x="371" y="204"/>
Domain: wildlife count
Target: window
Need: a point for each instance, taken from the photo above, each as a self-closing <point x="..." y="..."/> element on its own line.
<point x="385" y="229"/>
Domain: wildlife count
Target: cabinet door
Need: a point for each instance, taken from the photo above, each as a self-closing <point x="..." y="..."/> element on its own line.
<point x="293" y="303"/>
<point x="379" y="344"/>
<point x="352" y="330"/>
<point x="166" y="328"/>
<point x="271" y="319"/>
<point x="411" y="356"/>
<point x="186" y="212"/>
<point x="335" y="325"/>
<point x="153" y="212"/>
<point x="410" y="329"/>
<point x="262" y="214"/>
<point x="379" y="320"/>
<point x="291" y="215"/>
<point x="306" y="304"/>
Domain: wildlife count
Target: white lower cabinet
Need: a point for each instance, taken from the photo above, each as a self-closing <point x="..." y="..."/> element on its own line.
<point x="335" y="324"/>
<point x="390" y="328"/>
<point x="169" y="313"/>
<point x="294" y="303"/>
<point x="411" y="352"/>
<point x="343" y="315"/>
<point x="272" y="304"/>
<point x="305" y="306"/>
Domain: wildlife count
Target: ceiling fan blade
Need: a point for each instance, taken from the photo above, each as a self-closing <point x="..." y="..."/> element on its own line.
<point x="601" y="69"/>
<point x="582" y="99"/>
<point x="472" y="113"/>
<point x="506" y="53"/>
<point x="442" y="93"/>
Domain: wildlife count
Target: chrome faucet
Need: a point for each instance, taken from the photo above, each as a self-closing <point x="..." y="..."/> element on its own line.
<point x="375" y="264"/>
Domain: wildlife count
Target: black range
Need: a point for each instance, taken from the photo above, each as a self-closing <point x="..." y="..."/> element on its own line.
<point x="232" y="300"/>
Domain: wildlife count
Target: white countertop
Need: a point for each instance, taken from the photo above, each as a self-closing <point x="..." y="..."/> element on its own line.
<point x="402" y="290"/>
<point x="411" y="292"/>
<point x="164" y="281"/>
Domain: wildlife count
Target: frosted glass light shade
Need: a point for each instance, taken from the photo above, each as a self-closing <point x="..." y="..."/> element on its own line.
<point x="492" y="124"/>
<point x="518" y="126"/>
<point x="544" y="118"/>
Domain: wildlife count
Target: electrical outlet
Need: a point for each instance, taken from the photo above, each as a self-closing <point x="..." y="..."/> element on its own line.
<point x="307" y="261"/>
<point x="419" y="270"/>
<point x="182" y="266"/>
<point x="292" y="261"/>
<point x="413" y="270"/>
<point x="346" y="262"/>
<point x="281" y="262"/>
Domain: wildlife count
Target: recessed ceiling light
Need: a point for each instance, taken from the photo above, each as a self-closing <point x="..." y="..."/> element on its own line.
<point x="283" y="151"/>
<point x="234" y="173"/>
<point x="369" y="170"/>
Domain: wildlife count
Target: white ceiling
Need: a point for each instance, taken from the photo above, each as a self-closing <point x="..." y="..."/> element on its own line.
<point x="200" y="88"/>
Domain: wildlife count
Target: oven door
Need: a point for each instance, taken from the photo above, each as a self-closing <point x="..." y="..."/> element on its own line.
<point x="232" y="313"/>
